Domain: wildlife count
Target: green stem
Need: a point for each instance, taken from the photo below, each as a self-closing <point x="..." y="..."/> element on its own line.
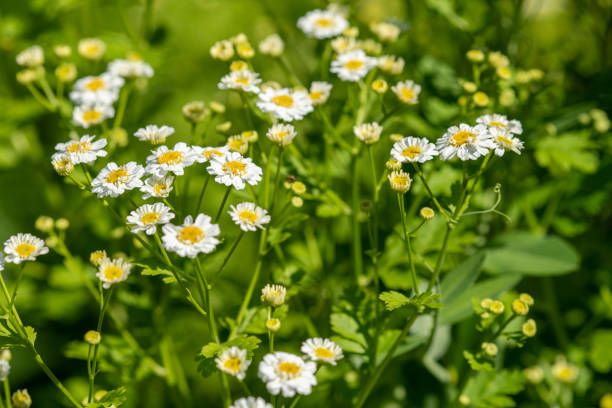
<point x="374" y="243"/>
<point x="48" y="92"/>
<point x="429" y="192"/>
<point x="227" y="193"/>
<point x="357" y="258"/>
<point x="229" y="254"/>
<point x="94" y="360"/>
<point x="122" y="105"/>
<point x="7" y="393"/>
<point x="201" y="197"/>
<point x="295" y="401"/>
<point x="277" y="177"/>
<point x="17" y="282"/>
<point x="38" y="96"/>
<point x="413" y="275"/>
<point x="440" y="261"/>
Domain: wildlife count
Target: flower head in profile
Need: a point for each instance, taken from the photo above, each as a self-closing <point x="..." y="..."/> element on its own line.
<point x="273" y="295"/>
<point x="157" y="187"/>
<point x="131" y="67"/>
<point x="368" y="133"/>
<point x="21" y="399"/>
<point x="413" y="149"/>
<point x="232" y="169"/>
<point x="325" y="350"/>
<point x="91" y="48"/>
<point x="154" y="134"/>
<point x="238" y="143"/>
<point x="31" y="57"/>
<point x="407" y="92"/>
<point x="23" y="247"/>
<point x="564" y="371"/>
<point x="84" y="150"/>
<point x="285" y="104"/>
<point x="386" y="32"/>
<point x="504" y="141"/>
<point x="113" y="271"/>
<point x="272" y="45"/>
<point x="251" y="402"/>
<point x="465" y="141"/>
<point x="148" y="216"/>
<point x="353" y="65"/>
<point x="62" y="164"/>
<point x="91" y="115"/>
<point x="5" y="367"/>
<point x="222" y="50"/>
<point x="233" y="361"/>
<point x="205" y="154"/>
<point x="501" y="122"/>
<point x="242" y="80"/>
<point x="322" y="24"/>
<point x="192" y="237"/>
<point x="103" y="89"/>
<point x="164" y="160"/>
<point x="319" y="92"/>
<point x="113" y="180"/>
<point x="287" y="374"/>
<point x="281" y="134"/>
<point x="248" y="216"/>
<point x="400" y="181"/>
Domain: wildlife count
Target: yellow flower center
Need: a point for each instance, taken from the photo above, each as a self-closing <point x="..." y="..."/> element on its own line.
<point x="286" y="101"/>
<point x="170" y="157"/>
<point x="117" y="176"/>
<point x="411" y="151"/>
<point x="322" y="352"/>
<point x="150" y="217"/>
<point x="92" y="116"/>
<point x="316" y="95"/>
<point x="233" y="364"/>
<point x="79" y="147"/>
<point x="92" y="49"/>
<point x="324" y="22"/>
<point x="497" y="124"/>
<point x="113" y="272"/>
<point x="24" y="250"/>
<point x="462" y="137"/>
<point x="95" y="84"/>
<point x="208" y="153"/>
<point x="235" y="168"/>
<point x="191" y="235"/>
<point x="353" y="64"/>
<point x="134" y="57"/>
<point x="242" y="80"/>
<point x="159" y="188"/>
<point x="291" y="369"/>
<point x="401" y="180"/>
<point x="504" y="140"/>
<point x="565" y="373"/>
<point x="237" y="144"/>
<point x="248" y="216"/>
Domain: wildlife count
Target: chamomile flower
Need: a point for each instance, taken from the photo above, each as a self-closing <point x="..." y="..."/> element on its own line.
<point x="285" y="104"/>
<point x="400" y="181"/>
<point x="251" y="402"/>
<point x="91" y="48"/>
<point x="368" y="133"/>
<point x="238" y="143"/>
<point x="131" y="67"/>
<point x="413" y="149"/>
<point x="504" y="140"/>
<point x="222" y="50"/>
<point x="114" y="180"/>
<point x="204" y="154"/>
<point x="154" y="134"/>
<point x="319" y="92"/>
<point x="248" y="216"/>
<point x="322" y="24"/>
<point x="564" y="371"/>
<point x="103" y="89"/>
<point x="192" y="237"/>
<point x="233" y="169"/>
<point x="501" y="122"/>
<point x="287" y="374"/>
<point x="353" y="65"/>
<point x="173" y="160"/>
<point x="62" y="164"/>
<point x="407" y="92"/>
<point x="23" y="247"/>
<point x="148" y="216"/>
<point x="113" y="271"/>
<point x="273" y="295"/>
<point x="386" y="32"/>
<point x="325" y="350"/>
<point x="272" y="45"/>
<point x="85" y="150"/>
<point x="243" y="80"/>
<point x="465" y="141"/>
<point x="281" y="134"/>
<point x="31" y="57"/>
<point x="158" y="187"/>
<point x="233" y="361"/>
<point x="90" y="115"/>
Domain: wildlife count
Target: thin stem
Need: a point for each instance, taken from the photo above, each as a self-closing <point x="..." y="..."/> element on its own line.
<point x="122" y="105"/>
<point x="48" y="92"/>
<point x="400" y="202"/>
<point x="295" y="401"/>
<point x="39" y="97"/>
<point x="7" y="393"/>
<point x="94" y="361"/>
<point x="277" y="177"/>
<point x="356" y="230"/>
<point x="86" y="172"/>
<point x="229" y="254"/>
<point x="440" y="260"/>
<point x="429" y="192"/>
<point x="201" y="197"/>
<point x="227" y="193"/>
<point x="374" y="243"/>
<point x="17" y="282"/>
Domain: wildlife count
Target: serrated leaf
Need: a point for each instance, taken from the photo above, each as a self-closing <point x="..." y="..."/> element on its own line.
<point x="210" y="350"/>
<point x="475" y="364"/>
<point x="393" y="300"/>
<point x="167" y="276"/>
<point x="347" y="327"/>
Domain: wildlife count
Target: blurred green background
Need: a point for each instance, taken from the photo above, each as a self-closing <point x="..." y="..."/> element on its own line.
<point x="561" y="184"/>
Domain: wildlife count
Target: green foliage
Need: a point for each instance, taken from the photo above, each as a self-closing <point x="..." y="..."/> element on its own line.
<point x="491" y="389"/>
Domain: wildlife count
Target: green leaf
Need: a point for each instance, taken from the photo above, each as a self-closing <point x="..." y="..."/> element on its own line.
<point x="168" y="276"/>
<point x="347" y="327"/>
<point x="393" y="300"/>
<point x="475" y="364"/>
<point x="490" y="389"/>
<point x="210" y="350"/>
<point x="567" y="152"/>
<point x="600" y="353"/>
<point x="461" y="278"/>
<point x="115" y="397"/>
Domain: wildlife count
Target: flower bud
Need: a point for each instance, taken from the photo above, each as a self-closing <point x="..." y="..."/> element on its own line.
<point x="92" y="337"/>
<point x="21" y="399"/>
<point x="427" y="213"/>
<point x="273" y="295"/>
<point x="44" y="223"/>
<point x="273" y="325"/>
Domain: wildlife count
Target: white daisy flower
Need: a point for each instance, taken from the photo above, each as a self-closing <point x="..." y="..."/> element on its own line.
<point x="501" y="121"/>
<point x="91" y="48"/>
<point x="23" y="247"/>
<point x="233" y="361"/>
<point x="281" y="134"/>
<point x="287" y="373"/>
<point x="248" y="216"/>
<point x="130" y="68"/>
<point x="62" y="164"/>
<point x="352" y="65"/>
<point x="204" y="154"/>
<point x="322" y="24"/>
<point x="413" y="149"/>
<point x="504" y="140"/>
<point x="114" y="180"/>
<point x="103" y="89"/>
<point x="272" y="45"/>
<point x="319" y="92"/>
<point x="86" y="116"/>
<point x="386" y="32"/>
<point x="244" y="80"/>
<point x="233" y="169"/>
<point x="273" y="295"/>
<point x="154" y="134"/>
<point x="84" y="150"/>
<point x="391" y="64"/>
<point x="164" y="160"/>
<point x="251" y="402"/>
<point x="158" y="187"/>
<point x="325" y="350"/>
<point x="407" y="92"/>
<point x="465" y="141"/>
<point x="31" y="57"/>
<point x="1" y="262"/>
<point x="148" y="216"/>
<point x="5" y="366"/>
<point x="285" y="104"/>
<point x="113" y="271"/>
<point x="368" y="133"/>
<point x="191" y="238"/>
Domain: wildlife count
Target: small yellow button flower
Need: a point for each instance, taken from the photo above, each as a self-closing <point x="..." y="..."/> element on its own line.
<point x="529" y="328"/>
<point x="525" y="297"/>
<point x="298" y="188"/>
<point x="273" y="325"/>
<point x="489" y="348"/>
<point x="519" y="307"/>
<point x="497" y="307"/>
<point x="92" y="337"/>
<point x="427" y="213"/>
<point x="380" y="86"/>
<point x="475" y="55"/>
<point x="480" y="98"/>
